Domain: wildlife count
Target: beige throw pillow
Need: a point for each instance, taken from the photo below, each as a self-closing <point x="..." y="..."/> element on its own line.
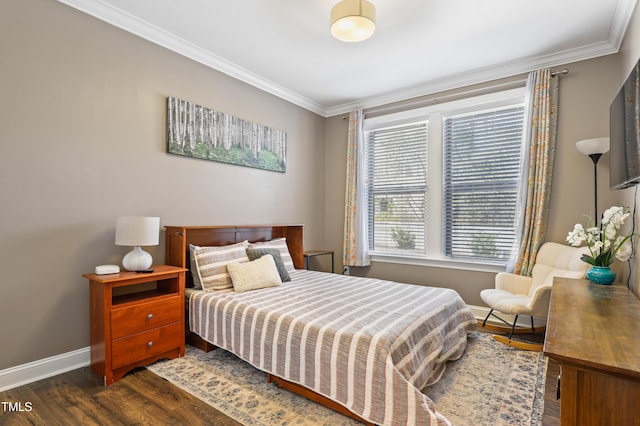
<point x="259" y="273"/>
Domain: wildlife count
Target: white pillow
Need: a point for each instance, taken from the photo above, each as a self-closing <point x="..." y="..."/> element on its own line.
<point x="259" y="273"/>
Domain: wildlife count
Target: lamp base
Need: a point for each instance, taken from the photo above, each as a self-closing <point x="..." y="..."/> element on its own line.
<point x="137" y="260"/>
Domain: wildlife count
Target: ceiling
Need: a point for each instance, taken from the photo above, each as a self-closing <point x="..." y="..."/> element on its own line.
<point x="420" y="46"/>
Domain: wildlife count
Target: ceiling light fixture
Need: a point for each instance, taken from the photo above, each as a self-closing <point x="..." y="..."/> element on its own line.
<point x="353" y="20"/>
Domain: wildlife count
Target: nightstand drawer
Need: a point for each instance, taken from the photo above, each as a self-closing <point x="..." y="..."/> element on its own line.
<point x="145" y="345"/>
<point x="144" y="316"/>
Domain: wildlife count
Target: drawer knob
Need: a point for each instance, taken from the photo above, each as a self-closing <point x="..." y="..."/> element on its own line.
<point x="149" y="344"/>
<point x="149" y="316"/>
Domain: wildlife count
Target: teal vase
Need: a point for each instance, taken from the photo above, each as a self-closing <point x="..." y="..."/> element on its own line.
<point x="601" y="275"/>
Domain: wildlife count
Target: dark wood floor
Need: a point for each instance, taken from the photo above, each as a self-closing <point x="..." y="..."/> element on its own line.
<point x="140" y="398"/>
<point x="78" y="398"/>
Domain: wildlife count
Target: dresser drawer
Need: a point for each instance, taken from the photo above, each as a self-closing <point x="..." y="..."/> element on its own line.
<point x="144" y="345"/>
<point x="144" y="316"/>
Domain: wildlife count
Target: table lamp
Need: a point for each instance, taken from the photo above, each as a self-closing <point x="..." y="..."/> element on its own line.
<point x="137" y="231"/>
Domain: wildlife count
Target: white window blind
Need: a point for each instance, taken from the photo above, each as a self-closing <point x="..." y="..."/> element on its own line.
<point x="481" y="171"/>
<point x="397" y="186"/>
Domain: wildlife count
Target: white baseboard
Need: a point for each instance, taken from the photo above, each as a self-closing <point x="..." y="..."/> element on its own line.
<point x="37" y="370"/>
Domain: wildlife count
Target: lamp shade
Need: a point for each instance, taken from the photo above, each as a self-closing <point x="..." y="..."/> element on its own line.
<point x="593" y="146"/>
<point x="353" y="20"/>
<point x="137" y="231"/>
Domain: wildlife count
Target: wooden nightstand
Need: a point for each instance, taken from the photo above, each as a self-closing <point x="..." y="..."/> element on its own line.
<point x="136" y="319"/>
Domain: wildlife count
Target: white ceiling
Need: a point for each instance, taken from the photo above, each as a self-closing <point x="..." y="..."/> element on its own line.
<point x="420" y="46"/>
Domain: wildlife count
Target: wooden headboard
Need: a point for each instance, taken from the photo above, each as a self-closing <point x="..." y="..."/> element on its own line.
<point x="178" y="239"/>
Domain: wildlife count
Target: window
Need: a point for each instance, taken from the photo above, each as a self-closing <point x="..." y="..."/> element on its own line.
<point x="481" y="169"/>
<point x="443" y="180"/>
<point x="397" y="160"/>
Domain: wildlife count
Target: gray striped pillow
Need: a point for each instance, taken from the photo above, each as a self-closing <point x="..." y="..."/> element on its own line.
<point x="281" y="245"/>
<point x="257" y="253"/>
<point x="211" y="264"/>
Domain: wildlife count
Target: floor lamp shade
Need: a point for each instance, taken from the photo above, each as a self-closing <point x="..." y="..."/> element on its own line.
<point x="137" y="231"/>
<point x="593" y="146"/>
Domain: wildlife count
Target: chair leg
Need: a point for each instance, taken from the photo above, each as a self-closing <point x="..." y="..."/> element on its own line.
<point x="512" y="330"/>
<point x="513" y="327"/>
<point x="487" y="317"/>
<point x="509" y="326"/>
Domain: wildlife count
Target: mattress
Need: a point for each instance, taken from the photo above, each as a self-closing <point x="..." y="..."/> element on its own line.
<point x="367" y="344"/>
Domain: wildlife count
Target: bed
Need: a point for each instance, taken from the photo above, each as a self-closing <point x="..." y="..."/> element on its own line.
<point x="362" y="346"/>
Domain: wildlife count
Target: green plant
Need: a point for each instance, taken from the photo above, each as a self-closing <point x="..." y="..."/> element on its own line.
<point x="483" y="244"/>
<point x="405" y="240"/>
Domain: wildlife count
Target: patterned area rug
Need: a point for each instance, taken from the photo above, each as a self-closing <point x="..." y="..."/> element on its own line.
<point x="490" y="385"/>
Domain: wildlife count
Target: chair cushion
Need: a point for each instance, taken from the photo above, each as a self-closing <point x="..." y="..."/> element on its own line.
<point x="505" y="302"/>
<point x="513" y="283"/>
<point x="557" y="260"/>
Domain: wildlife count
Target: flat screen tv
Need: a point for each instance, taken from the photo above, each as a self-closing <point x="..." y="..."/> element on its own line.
<point x="624" y="137"/>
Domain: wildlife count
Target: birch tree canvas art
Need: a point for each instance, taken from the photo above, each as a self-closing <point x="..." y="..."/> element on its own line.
<point x="199" y="132"/>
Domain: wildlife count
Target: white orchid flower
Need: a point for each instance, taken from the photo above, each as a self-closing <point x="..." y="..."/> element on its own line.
<point x="625" y="251"/>
<point x="604" y="240"/>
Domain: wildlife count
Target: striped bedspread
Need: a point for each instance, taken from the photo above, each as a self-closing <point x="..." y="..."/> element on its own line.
<point x="368" y="344"/>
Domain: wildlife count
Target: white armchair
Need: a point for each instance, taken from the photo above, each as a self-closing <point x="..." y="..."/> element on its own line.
<point x="520" y="295"/>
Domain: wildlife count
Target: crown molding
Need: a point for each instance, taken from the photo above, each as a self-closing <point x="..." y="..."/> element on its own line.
<point x="621" y="20"/>
<point x="480" y="75"/>
<point x="143" y="29"/>
<point x="618" y="29"/>
<point x="127" y="22"/>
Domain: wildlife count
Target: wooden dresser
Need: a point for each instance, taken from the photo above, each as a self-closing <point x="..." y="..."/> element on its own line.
<point x="593" y="331"/>
<point x="136" y="319"/>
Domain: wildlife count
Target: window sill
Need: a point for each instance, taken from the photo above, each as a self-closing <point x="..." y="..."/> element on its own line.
<point x="437" y="263"/>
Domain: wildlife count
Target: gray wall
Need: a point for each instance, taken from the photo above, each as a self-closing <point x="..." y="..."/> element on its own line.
<point x="629" y="56"/>
<point x="585" y="95"/>
<point x="83" y="115"/>
<point x="82" y="128"/>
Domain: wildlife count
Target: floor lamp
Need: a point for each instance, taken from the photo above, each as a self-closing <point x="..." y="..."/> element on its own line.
<point x="594" y="148"/>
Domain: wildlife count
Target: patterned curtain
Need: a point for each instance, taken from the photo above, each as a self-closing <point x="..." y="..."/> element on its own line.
<point x="355" y="247"/>
<point x="535" y="195"/>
